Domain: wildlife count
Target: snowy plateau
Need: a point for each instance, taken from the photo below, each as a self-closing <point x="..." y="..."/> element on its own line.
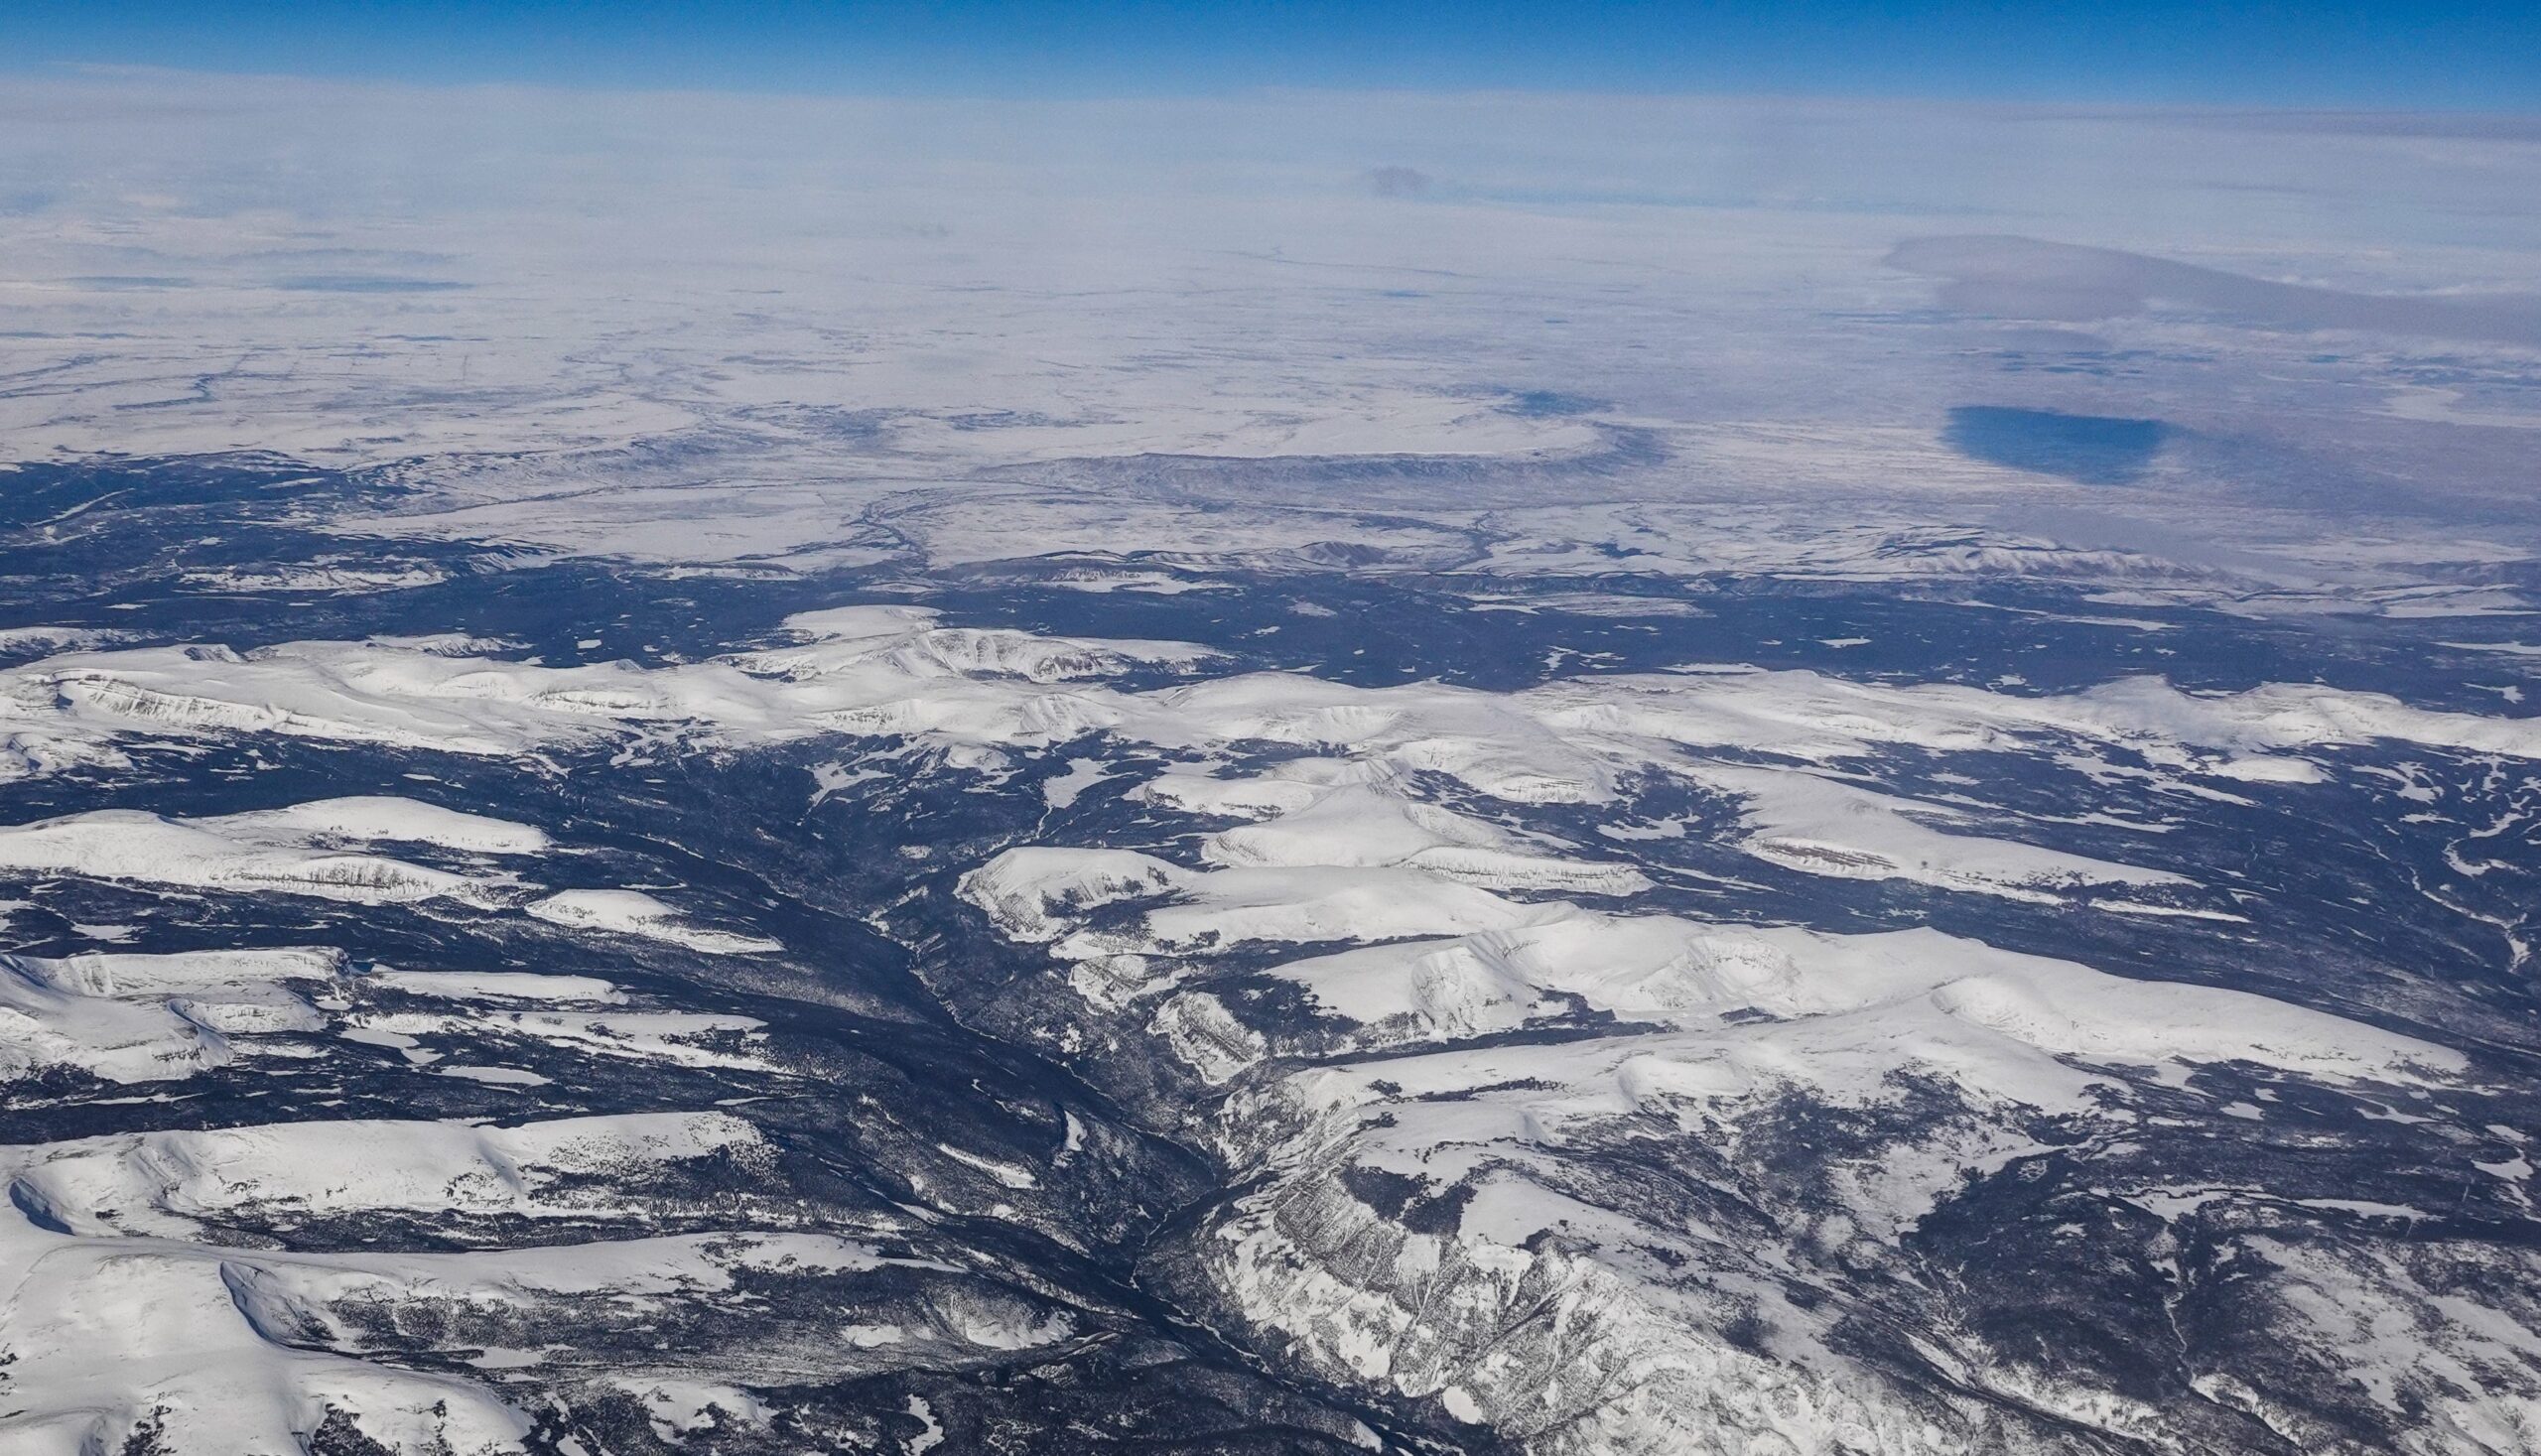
<point x="1229" y="1002"/>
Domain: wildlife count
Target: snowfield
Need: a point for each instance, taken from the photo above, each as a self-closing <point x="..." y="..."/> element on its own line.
<point x="1515" y="1137"/>
<point x="894" y="671"/>
<point x="633" y="912"/>
<point x="145" y="1018"/>
<point x="287" y="850"/>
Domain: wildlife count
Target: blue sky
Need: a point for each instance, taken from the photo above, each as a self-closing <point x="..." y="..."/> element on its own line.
<point x="2477" y="56"/>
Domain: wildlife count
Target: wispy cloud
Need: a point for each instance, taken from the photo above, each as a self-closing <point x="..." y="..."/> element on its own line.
<point x="2025" y="278"/>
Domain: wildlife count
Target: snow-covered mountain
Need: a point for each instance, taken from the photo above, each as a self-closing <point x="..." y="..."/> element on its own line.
<point x="573" y="1004"/>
